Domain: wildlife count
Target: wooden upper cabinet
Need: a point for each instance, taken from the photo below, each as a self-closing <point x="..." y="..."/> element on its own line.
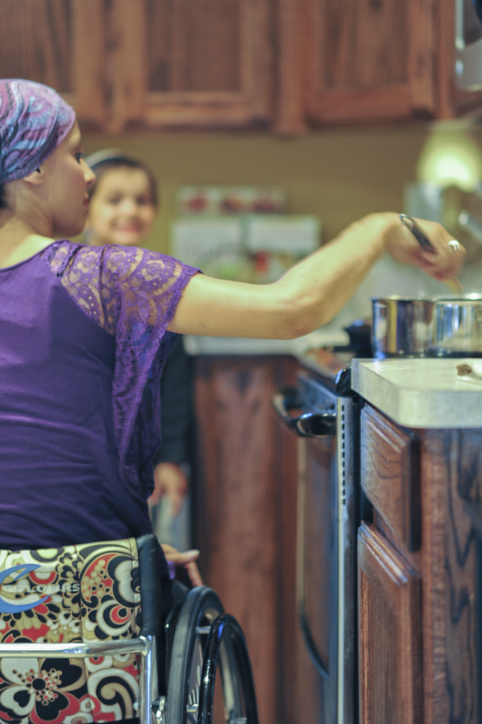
<point x="369" y="60"/>
<point x="176" y="63"/>
<point x="281" y="65"/>
<point x="157" y="63"/>
<point x="59" y="43"/>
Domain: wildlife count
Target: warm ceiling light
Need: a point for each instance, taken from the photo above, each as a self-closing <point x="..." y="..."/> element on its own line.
<point x="450" y="158"/>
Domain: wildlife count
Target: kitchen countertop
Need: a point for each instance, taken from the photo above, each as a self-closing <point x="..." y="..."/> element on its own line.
<point x="420" y="393"/>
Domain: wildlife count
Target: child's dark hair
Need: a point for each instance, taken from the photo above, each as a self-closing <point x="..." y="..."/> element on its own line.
<point x="106" y="160"/>
<point x="3" y="202"/>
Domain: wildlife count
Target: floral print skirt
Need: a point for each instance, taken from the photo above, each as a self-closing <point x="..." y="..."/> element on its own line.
<point x="80" y="593"/>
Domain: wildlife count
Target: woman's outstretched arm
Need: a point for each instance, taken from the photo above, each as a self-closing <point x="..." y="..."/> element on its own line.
<point x="312" y="292"/>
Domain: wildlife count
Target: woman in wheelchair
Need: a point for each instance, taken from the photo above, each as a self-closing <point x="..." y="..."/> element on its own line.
<point x="85" y="332"/>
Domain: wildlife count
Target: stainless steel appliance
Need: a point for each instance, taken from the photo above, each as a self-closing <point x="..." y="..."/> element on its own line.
<point x="322" y="411"/>
<point x="468" y="44"/>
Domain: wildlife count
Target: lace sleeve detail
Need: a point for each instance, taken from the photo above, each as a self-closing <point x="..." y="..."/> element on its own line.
<point x="132" y="294"/>
<point x="139" y="289"/>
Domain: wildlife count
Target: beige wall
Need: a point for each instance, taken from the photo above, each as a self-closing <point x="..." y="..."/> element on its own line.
<point x="339" y="175"/>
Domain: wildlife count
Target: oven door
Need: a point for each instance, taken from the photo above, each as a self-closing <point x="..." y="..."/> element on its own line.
<point x="326" y="572"/>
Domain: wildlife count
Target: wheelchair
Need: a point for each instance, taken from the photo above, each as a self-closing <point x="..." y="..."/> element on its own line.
<point x="89" y="634"/>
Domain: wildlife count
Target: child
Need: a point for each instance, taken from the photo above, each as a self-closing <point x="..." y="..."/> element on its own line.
<point x="85" y="330"/>
<point x="122" y="210"/>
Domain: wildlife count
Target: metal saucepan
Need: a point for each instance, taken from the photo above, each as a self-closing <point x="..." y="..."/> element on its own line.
<point x="457" y="329"/>
<point x="439" y="327"/>
<point x="401" y="327"/>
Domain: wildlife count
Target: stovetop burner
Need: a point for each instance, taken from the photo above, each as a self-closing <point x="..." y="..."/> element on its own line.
<point x="332" y="365"/>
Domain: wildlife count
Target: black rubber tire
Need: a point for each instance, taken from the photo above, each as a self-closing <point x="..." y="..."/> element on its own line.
<point x="196" y="657"/>
<point x="226" y="648"/>
<point x="200" y="609"/>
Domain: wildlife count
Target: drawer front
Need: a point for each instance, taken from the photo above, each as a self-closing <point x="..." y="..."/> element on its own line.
<point x="390" y="474"/>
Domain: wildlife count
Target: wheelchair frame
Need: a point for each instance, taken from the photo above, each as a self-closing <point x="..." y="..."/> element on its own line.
<point x="200" y="639"/>
<point x="144" y="645"/>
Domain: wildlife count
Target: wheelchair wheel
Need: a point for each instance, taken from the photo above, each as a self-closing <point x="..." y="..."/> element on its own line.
<point x="226" y="648"/>
<point x="205" y="643"/>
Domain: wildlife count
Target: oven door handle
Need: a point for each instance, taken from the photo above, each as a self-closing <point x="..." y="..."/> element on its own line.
<point x="308" y="424"/>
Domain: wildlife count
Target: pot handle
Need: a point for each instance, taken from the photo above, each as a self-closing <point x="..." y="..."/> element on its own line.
<point x="308" y="424"/>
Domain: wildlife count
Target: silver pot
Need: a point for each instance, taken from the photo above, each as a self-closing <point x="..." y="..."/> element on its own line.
<point x="401" y="327"/>
<point x="457" y="328"/>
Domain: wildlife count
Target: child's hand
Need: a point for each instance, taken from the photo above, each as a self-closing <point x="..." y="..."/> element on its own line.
<point x="171" y="481"/>
<point x="186" y="560"/>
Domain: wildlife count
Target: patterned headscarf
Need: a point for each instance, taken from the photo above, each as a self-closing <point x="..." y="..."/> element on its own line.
<point x="34" y="120"/>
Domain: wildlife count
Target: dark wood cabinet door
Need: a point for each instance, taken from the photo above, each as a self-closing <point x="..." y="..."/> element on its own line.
<point x="59" y="43"/>
<point x="390" y="635"/>
<point x="390" y="465"/>
<point x="369" y="60"/>
<point x="148" y="63"/>
<point x="192" y="64"/>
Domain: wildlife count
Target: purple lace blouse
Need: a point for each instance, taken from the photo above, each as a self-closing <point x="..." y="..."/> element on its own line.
<point x="83" y="341"/>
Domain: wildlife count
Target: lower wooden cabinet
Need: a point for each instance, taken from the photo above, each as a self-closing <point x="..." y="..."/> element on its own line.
<point x="390" y="634"/>
<point x="419" y="574"/>
<point x="419" y="552"/>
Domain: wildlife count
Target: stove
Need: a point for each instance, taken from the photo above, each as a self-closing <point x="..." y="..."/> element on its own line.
<point x="332" y="366"/>
<point x="323" y="411"/>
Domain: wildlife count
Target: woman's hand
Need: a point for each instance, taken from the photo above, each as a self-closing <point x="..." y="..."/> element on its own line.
<point x="186" y="560"/>
<point x="444" y="263"/>
<point x="171" y="481"/>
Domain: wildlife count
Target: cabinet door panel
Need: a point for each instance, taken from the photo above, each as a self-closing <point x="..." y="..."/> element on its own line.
<point x="390" y="464"/>
<point x="369" y="60"/>
<point x="390" y="633"/>
<point x="59" y="43"/>
<point x="35" y="41"/>
<point x="206" y="63"/>
<point x="213" y="62"/>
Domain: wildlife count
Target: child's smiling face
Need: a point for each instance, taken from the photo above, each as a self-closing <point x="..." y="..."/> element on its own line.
<point x="122" y="209"/>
